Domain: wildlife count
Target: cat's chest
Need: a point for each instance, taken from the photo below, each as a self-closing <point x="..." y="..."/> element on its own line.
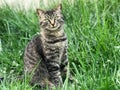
<point x="54" y="46"/>
<point x="54" y="50"/>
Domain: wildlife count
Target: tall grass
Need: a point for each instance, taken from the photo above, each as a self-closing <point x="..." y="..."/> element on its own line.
<point x="93" y="30"/>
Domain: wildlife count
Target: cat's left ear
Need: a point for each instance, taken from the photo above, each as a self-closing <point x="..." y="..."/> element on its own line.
<point x="58" y="9"/>
<point x="40" y="12"/>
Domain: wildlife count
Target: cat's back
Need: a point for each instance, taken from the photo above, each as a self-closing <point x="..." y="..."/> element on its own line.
<point x="31" y="53"/>
<point x="32" y="45"/>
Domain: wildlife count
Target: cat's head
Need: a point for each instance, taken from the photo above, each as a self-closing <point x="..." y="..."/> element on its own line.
<point x="51" y="20"/>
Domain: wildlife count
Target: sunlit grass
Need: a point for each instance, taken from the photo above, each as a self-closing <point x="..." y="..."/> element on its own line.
<point x="93" y="30"/>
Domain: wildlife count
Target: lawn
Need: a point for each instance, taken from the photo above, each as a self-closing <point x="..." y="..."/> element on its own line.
<point x="93" y="31"/>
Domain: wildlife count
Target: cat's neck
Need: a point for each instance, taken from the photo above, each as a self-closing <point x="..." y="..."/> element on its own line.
<point x="53" y="35"/>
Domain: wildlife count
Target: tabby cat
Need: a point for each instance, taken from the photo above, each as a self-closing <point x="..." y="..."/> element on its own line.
<point x="46" y="54"/>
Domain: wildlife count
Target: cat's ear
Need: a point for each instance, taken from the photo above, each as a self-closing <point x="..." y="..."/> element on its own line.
<point x="58" y="9"/>
<point x="40" y="12"/>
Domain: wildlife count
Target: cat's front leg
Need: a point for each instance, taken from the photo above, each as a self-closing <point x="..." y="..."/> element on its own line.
<point x="65" y="66"/>
<point x="54" y="72"/>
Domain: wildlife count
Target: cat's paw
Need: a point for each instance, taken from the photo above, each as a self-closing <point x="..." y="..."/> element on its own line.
<point x="47" y="84"/>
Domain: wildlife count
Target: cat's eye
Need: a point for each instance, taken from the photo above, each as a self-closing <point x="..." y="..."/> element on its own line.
<point x="60" y="20"/>
<point x="44" y="22"/>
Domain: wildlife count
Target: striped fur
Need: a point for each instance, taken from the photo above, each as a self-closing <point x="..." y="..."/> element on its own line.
<point x="46" y="54"/>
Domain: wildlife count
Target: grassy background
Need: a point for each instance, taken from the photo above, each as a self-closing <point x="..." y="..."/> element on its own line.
<point x="93" y="30"/>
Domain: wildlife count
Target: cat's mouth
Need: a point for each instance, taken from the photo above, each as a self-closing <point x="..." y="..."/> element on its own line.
<point x="54" y="28"/>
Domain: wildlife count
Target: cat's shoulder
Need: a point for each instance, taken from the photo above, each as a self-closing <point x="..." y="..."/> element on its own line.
<point x="36" y="37"/>
<point x="34" y="41"/>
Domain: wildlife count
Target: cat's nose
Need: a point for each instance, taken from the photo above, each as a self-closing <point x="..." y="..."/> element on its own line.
<point x="52" y="22"/>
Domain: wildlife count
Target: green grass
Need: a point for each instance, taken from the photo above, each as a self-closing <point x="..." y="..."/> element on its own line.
<point x="93" y="30"/>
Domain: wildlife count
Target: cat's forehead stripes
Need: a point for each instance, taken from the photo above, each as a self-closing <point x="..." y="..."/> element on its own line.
<point x="50" y="14"/>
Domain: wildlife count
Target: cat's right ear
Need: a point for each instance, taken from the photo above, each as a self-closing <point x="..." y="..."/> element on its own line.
<point x="40" y="12"/>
